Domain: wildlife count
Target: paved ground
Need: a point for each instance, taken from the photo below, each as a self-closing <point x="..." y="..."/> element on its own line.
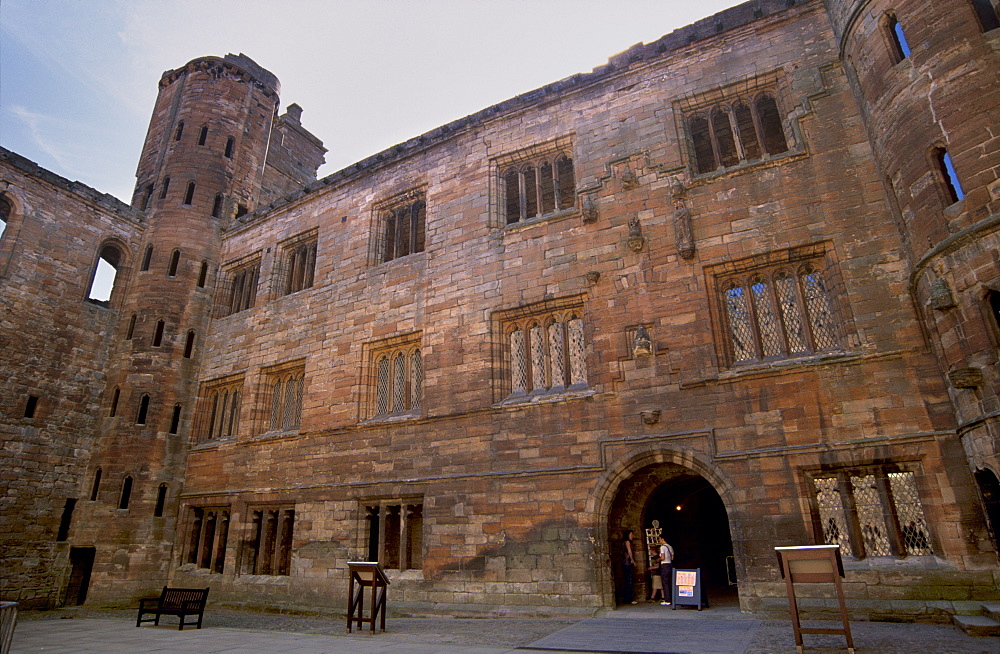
<point x="642" y="629"/>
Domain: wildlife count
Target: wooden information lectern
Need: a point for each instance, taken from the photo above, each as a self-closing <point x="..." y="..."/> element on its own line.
<point x="366" y="574"/>
<point x="813" y="564"/>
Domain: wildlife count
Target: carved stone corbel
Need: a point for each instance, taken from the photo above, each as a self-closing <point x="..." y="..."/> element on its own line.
<point x="635" y="239"/>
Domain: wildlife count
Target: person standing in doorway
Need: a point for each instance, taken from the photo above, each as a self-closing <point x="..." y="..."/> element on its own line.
<point x="628" y="568"/>
<point x="666" y="570"/>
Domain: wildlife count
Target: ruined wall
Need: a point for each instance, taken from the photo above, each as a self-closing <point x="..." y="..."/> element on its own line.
<point x="55" y="345"/>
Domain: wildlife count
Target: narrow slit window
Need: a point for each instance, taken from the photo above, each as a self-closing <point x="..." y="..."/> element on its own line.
<point x="147" y="257"/>
<point x="115" y="396"/>
<point x="189" y="344"/>
<point x="217" y="206"/>
<point x="175" y="259"/>
<point x="203" y="136"/>
<point x="161" y="499"/>
<point x="180" y="131"/>
<point x="987" y="14"/>
<point x="31" y="406"/>
<point x="147" y="195"/>
<point x="96" y="487"/>
<point x="126" y="495"/>
<point x="230" y="142"/>
<point x="158" y="333"/>
<point x="203" y="274"/>
<point x="67" y="518"/>
<point x="140" y="414"/>
<point x="175" y="419"/>
<point x="897" y="39"/>
<point x="189" y="196"/>
<point x="131" y="328"/>
<point x="166" y="186"/>
<point x="949" y="176"/>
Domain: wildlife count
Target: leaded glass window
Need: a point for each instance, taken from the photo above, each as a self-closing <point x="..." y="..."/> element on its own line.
<point x="286" y="400"/>
<point x="546" y="359"/>
<point x="872" y="512"/>
<point x="221" y="414"/>
<point x="398" y="380"/>
<point x="778" y="313"/>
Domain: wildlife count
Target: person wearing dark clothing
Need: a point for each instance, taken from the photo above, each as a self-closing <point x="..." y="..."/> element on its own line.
<point x="628" y="568"/>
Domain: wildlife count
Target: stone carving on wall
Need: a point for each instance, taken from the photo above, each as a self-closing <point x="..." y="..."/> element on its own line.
<point x="941" y="297"/>
<point x="682" y="220"/>
<point x="590" y="212"/>
<point x="635" y="238"/>
<point x="642" y="344"/>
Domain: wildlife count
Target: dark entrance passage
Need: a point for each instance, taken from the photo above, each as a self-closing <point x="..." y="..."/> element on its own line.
<point x="692" y="518"/>
<point x="989" y="490"/>
<point x="82" y="561"/>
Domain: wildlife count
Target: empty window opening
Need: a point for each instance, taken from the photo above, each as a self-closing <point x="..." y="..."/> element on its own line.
<point x="161" y="499"/>
<point x="402" y="230"/>
<point x="105" y="274"/>
<point x="395" y="534"/>
<point x="208" y="538"/>
<point x="166" y="186"/>
<point x="203" y="136"/>
<point x="993" y="298"/>
<point x="115" y="396"/>
<point x="175" y="259"/>
<point x="241" y="210"/>
<point x="31" y="406"/>
<point x="299" y="265"/>
<point x="180" y="131"/>
<point x="217" y="206"/>
<point x="243" y="289"/>
<point x="130" y="331"/>
<point x="230" y="142"/>
<point x="5" y="211"/>
<point x="175" y="419"/>
<point x="270" y="551"/>
<point x="946" y="168"/>
<point x="96" y="485"/>
<point x="539" y="188"/>
<point x="67" y="518"/>
<point x="987" y="14"/>
<point x="158" y="333"/>
<point x="189" y="344"/>
<point x="203" y="274"/>
<point x="126" y="494"/>
<point x="737" y="134"/>
<point x="897" y="39"/>
<point x="147" y="257"/>
<point x="147" y="195"/>
<point x="189" y="196"/>
<point x="140" y="414"/>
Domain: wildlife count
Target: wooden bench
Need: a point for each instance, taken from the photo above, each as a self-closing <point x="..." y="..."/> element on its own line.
<point x="181" y="602"/>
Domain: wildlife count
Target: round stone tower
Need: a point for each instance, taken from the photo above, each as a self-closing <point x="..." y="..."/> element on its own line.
<point x="202" y="164"/>
<point x="925" y="75"/>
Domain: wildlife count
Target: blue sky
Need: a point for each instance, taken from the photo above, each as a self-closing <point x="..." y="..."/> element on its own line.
<point x="78" y="77"/>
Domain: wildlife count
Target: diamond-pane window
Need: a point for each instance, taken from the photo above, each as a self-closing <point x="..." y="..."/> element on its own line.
<point x="397" y="381"/>
<point x="785" y="315"/>
<point x="872" y="512"/>
<point x="832" y="514"/>
<point x="546" y="360"/>
<point x="286" y="399"/>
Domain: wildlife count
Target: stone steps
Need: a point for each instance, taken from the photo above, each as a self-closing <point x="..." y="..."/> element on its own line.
<point x="985" y="624"/>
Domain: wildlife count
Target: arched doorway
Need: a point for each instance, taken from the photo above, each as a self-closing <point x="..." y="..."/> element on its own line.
<point x="693" y="519"/>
